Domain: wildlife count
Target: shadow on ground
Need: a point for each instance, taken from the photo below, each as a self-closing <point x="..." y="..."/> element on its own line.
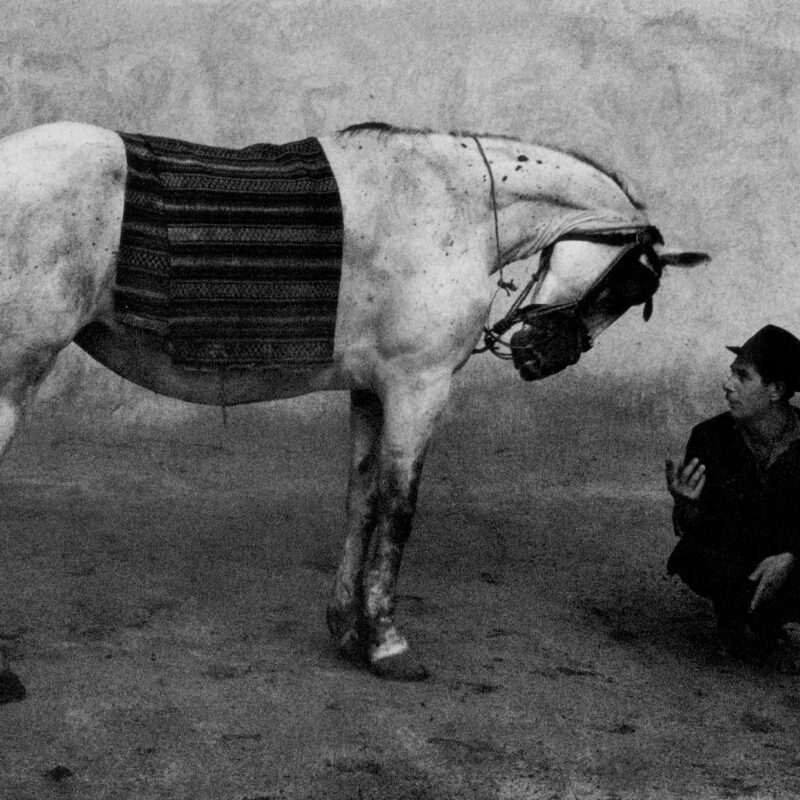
<point x="163" y="594"/>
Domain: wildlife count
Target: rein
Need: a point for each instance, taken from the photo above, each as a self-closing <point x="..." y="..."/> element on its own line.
<point x="508" y="286"/>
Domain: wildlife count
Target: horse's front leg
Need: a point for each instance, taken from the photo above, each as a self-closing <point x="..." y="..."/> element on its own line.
<point x="409" y="413"/>
<point x="346" y="620"/>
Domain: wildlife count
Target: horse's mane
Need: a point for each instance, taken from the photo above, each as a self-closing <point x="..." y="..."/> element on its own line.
<point x="384" y="128"/>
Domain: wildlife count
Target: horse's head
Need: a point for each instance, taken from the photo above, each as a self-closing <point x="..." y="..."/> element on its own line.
<point x="585" y="283"/>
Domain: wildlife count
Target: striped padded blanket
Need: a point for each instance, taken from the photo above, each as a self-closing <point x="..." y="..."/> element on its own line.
<point x="232" y="257"/>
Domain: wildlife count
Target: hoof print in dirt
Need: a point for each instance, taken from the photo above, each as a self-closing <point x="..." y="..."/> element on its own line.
<point x="58" y="773"/>
<point x="623" y="728"/>
<point x="403" y="667"/>
<point x="760" y="723"/>
<point x="11" y="688"/>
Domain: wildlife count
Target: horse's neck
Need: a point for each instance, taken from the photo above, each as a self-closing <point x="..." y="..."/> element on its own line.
<point x="538" y="193"/>
<point x="534" y="172"/>
<point x="542" y="194"/>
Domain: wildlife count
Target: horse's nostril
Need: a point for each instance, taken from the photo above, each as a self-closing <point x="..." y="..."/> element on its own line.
<point x="548" y="343"/>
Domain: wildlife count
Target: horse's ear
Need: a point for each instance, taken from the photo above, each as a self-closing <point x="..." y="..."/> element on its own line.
<point x="681" y="258"/>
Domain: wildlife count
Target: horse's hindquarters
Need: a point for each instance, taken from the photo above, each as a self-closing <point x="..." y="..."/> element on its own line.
<point x="61" y="202"/>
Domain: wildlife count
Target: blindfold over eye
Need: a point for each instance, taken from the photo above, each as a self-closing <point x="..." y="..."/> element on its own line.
<point x="632" y="282"/>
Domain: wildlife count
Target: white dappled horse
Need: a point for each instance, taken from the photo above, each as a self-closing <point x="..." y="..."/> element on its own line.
<point x="429" y="222"/>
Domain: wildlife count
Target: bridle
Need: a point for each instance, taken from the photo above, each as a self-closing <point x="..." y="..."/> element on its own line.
<point x="642" y="238"/>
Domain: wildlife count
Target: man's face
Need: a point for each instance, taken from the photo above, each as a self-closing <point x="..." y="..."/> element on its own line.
<point x="747" y="395"/>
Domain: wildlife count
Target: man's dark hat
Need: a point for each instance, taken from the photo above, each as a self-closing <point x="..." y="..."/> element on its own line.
<point x="775" y="353"/>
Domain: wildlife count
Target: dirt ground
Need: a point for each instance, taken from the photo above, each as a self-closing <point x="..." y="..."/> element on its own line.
<point x="163" y="592"/>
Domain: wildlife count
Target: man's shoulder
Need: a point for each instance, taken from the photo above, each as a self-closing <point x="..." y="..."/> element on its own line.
<point x="715" y="435"/>
<point x="720" y="425"/>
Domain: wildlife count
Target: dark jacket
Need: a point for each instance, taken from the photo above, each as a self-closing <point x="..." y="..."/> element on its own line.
<point x="747" y="508"/>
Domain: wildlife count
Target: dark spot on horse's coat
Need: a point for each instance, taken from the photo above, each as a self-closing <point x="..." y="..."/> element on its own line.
<point x="517" y="168"/>
<point x="539" y="161"/>
<point x="522" y="158"/>
<point x="463" y="145"/>
<point x="505" y="177"/>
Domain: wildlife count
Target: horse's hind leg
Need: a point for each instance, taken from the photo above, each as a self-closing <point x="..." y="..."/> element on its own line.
<point x="17" y="389"/>
<point x="346" y="620"/>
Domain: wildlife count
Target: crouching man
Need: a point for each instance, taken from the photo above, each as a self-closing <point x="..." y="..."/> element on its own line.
<point x="737" y="501"/>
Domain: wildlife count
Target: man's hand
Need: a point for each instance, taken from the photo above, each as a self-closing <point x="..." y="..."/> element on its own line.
<point x="686" y="480"/>
<point x="771" y="574"/>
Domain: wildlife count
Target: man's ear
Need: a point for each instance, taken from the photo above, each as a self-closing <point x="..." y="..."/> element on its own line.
<point x="777" y="390"/>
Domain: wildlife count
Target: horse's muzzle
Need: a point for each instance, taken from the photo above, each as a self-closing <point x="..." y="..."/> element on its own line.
<point x="549" y="343"/>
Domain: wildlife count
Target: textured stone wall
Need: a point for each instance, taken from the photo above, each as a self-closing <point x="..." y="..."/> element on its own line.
<point x="696" y="101"/>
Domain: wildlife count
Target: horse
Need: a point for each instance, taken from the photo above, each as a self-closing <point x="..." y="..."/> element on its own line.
<point x="429" y="221"/>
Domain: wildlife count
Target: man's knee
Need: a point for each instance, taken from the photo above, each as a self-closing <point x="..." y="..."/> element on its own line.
<point x="784" y="607"/>
<point x="711" y="572"/>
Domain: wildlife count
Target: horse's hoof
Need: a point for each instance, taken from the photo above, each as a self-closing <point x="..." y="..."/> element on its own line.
<point x="353" y="648"/>
<point x="11" y="688"/>
<point x="342" y="623"/>
<point x="400" y="667"/>
<point x="390" y="656"/>
<point x="350" y="639"/>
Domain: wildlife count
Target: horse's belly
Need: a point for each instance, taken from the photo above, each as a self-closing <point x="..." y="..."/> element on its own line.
<point x="140" y="358"/>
